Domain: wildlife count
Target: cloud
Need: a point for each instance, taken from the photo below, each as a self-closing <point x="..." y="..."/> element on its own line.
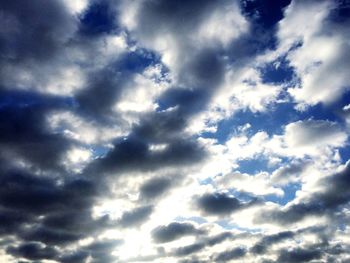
<point x="232" y="254"/>
<point x="155" y="187"/>
<point x="299" y="255"/>
<point x="33" y="251"/>
<point x="24" y="134"/>
<point x="173" y="231"/>
<point x="135" y="217"/>
<point x="266" y="242"/>
<point x="133" y="154"/>
<point x="332" y="194"/>
<point x="203" y="243"/>
<point x="220" y="204"/>
<point x="193" y="131"/>
<point x="300" y="135"/>
<point x="258" y="184"/>
<point x="321" y="57"/>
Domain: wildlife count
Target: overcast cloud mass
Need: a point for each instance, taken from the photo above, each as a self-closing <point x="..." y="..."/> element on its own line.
<point x="174" y="131"/>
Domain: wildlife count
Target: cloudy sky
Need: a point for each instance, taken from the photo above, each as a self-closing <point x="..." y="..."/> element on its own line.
<point x="174" y="131"/>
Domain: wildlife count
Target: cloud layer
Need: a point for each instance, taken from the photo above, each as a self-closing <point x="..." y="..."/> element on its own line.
<point x="174" y="131"/>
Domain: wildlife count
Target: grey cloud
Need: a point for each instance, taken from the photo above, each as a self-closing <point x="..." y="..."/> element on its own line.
<point x="202" y="243"/>
<point x="98" y="251"/>
<point x="161" y="126"/>
<point x="34" y="42"/>
<point x="155" y="187"/>
<point x="219" y="238"/>
<point x="36" y="29"/>
<point x="102" y="91"/>
<point x="25" y="135"/>
<point x="136" y="216"/>
<point x="33" y="251"/>
<point x="193" y="260"/>
<point x="173" y="231"/>
<point x="220" y="204"/>
<point x="50" y="236"/>
<point x="289" y="173"/>
<point x="133" y="154"/>
<point x="225" y="256"/>
<point x="175" y="16"/>
<point x="183" y="251"/>
<point x="78" y="257"/>
<point x="335" y="194"/>
<point x="199" y="80"/>
<point x="266" y="242"/>
<point x="45" y="214"/>
<point x="299" y="255"/>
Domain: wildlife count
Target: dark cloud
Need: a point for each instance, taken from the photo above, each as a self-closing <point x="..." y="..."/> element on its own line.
<point x="200" y="78"/>
<point x="335" y="194"/>
<point x="25" y="135"/>
<point x="101" y="250"/>
<point x="78" y="257"/>
<point x="220" y="204"/>
<point x="219" y="238"/>
<point x="155" y="187"/>
<point x="80" y="222"/>
<point x="33" y="251"/>
<point x="193" y="260"/>
<point x="299" y="255"/>
<point x="133" y="154"/>
<point x="40" y="195"/>
<point x="204" y="242"/>
<point x="12" y="220"/>
<point x="36" y="30"/>
<point x="266" y="242"/>
<point x="136" y="216"/>
<point x="47" y="213"/>
<point x="161" y="126"/>
<point x="206" y="69"/>
<point x="184" y="251"/>
<point x="102" y="92"/>
<point x="105" y="85"/>
<point x="203" y="69"/>
<point x="98" y="251"/>
<point x="175" y="16"/>
<point x="225" y="256"/>
<point x="173" y="231"/>
<point x="50" y="236"/>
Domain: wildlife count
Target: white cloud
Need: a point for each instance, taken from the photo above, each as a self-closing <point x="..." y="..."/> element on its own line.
<point x="313" y="137"/>
<point x="322" y="60"/>
<point x="85" y="131"/>
<point x="223" y="26"/>
<point x="257" y="184"/>
<point x="143" y="92"/>
<point x="242" y="89"/>
<point x="77" y="158"/>
<point x="76" y="6"/>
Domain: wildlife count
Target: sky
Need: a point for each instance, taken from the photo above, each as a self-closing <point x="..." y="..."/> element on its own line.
<point x="174" y="131"/>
